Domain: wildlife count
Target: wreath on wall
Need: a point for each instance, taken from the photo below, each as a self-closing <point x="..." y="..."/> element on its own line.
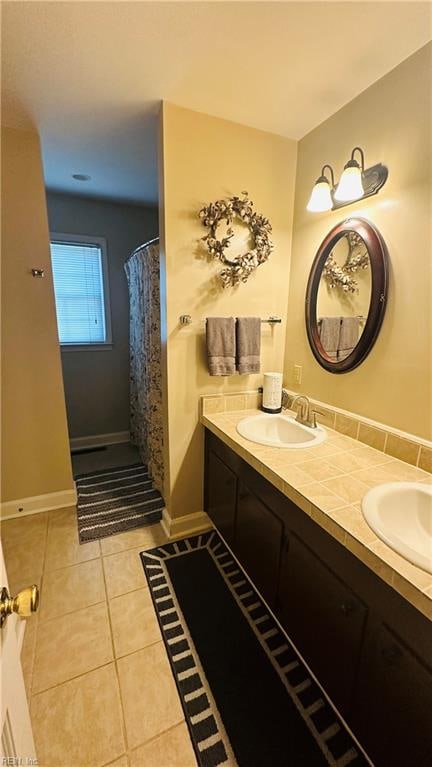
<point x="227" y="210"/>
<point x="341" y="276"/>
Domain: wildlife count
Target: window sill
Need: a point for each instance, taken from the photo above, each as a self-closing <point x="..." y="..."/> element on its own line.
<point x="86" y="347"/>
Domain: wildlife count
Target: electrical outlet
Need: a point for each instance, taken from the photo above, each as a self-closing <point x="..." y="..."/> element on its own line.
<point x="297" y="374"/>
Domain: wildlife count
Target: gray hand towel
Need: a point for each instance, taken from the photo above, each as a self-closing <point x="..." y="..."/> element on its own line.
<point x="330" y="333"/>
<point x="220" y="336"/>
<point x="248" y="333"/>
<point x="349" y="334"/>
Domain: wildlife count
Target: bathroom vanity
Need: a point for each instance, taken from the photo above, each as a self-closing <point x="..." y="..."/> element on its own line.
<point x="367" y="645"/>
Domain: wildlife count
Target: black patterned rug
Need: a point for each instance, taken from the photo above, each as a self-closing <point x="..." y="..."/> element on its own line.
<point x="114" y="500"/>
<point x="248" y="697"/>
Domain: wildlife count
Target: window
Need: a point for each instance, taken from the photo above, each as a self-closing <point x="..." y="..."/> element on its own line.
<point x="81" y="290"/>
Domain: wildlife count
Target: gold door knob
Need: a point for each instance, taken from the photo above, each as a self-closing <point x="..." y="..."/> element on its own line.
<point x="24" y="604"/>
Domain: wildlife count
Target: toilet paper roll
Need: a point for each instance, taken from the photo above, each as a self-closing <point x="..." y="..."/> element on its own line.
<point x="272" y="393"/>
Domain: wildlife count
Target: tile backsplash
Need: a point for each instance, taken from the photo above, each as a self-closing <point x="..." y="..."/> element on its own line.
<point x="407" y="448"/>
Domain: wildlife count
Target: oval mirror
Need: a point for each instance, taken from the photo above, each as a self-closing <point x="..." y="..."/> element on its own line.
<point x="346" y="295"/>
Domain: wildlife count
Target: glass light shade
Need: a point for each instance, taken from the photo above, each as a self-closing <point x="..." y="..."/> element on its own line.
<point x="320" y="198"/>
<point x="350" y="186"/>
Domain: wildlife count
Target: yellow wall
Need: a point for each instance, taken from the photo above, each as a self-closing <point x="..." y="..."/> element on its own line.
<point x="391" y="120"/>
<point x="35" y="448"/>
<point x="204" y="159"/>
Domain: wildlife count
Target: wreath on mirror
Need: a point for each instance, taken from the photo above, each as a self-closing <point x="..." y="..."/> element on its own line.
<point x="341" y="276"/>
<point x="228" y="210"/>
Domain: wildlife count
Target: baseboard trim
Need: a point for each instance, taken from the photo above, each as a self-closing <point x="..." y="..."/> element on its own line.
<point x="189" y="524"/>
<point x="38" y="503"/>
<point x="96" y="440"/>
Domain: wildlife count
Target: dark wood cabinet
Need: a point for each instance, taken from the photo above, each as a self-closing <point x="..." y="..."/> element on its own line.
<point x="368" y="647"/>
<point x="221" y="495"/>
<point x="258" y="542"/>
<point x="311" y="595"/>
<point x="394" y="692"/>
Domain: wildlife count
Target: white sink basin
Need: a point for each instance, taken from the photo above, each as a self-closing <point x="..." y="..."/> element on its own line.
<point x="400" y="513"/>
<point x="279" y="431"/>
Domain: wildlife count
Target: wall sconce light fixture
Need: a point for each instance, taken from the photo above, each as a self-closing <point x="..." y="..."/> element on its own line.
<point x="356" y="183"/>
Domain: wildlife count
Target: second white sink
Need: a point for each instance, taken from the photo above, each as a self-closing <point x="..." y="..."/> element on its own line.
<point x="279" y="431"/>
<point x="400" y="513"/>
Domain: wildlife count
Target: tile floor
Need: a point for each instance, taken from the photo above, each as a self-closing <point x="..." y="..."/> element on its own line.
<point x="98" y="680"/>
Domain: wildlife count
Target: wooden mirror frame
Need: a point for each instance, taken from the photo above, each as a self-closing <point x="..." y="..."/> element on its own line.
<point x="378" y="257"/>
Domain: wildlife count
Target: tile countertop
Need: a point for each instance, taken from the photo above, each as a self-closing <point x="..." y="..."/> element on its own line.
<point x="328" y="482"/>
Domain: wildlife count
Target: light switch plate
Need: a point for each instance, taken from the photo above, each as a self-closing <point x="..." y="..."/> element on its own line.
<point x="297" y="374"/>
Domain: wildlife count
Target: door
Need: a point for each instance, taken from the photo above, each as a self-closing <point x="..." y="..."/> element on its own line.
<point x="258" y="542"/>
<point x="221" y="495"/>
<point x="324" y="618"/>
<point x="16" y="731"/>
<point x="392" y="711"/>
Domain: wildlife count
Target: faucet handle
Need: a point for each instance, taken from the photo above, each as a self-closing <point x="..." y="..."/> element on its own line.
<point x="314" y="415"/>
<point x="286" y="399"/>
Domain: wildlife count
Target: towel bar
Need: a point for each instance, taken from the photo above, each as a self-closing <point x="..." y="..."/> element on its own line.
<point x="186" y="319"/>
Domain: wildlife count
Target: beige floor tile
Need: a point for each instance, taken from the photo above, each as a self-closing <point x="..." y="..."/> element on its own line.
<point x="79" y="723"/>
<point x="72" y="588"/>
<point x="146" y="537"/>
<point x="28" y="651"/>
<point x="71" y="645"/>
<point x="347" y="487"/>
<point x="124" y="572"/>
<point x="122" y="762"/>
<point x="172" y="749"/>
<point x="24" y="541"/>
<point x="134" y="622"/>
<point x="25" y="531"/>
<point x="63" y="546"/>
<point x="149" y="694"/>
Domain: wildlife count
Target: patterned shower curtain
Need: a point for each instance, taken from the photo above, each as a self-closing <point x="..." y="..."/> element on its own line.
<point x="142" y="272"/>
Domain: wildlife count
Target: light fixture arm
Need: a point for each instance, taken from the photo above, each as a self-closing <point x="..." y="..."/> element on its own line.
<point x="323" y="175"/>
<point x="358" y="149"/>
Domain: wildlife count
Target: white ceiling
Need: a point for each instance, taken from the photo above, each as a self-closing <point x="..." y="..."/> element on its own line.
<point x="90" y="75"/>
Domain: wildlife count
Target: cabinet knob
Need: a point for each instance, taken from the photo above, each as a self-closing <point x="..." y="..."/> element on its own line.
<point x="392" y="654"/>
<point x="347" y="608"/>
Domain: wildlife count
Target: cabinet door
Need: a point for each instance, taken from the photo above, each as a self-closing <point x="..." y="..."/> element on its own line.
<point x="221" y="493"/>
<point x="324" y="618"/>
<point x="258" y="542"/>
<point x="393" y="706"/>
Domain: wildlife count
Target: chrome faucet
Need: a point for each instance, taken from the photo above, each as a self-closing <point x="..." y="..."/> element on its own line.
<point x="305" y="414"/>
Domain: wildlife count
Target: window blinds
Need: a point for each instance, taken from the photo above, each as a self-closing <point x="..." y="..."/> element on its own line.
<point x="79" y="292"/>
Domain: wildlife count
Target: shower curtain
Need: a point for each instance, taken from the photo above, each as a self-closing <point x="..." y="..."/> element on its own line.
<point x="142" y="272"/>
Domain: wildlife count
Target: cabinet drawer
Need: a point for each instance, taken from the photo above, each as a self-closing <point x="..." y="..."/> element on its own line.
<point x="325" y="619"/>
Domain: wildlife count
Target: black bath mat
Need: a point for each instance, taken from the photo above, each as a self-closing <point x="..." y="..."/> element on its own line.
<point x="114" y="500"/>
<point x="249" y="700"/>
